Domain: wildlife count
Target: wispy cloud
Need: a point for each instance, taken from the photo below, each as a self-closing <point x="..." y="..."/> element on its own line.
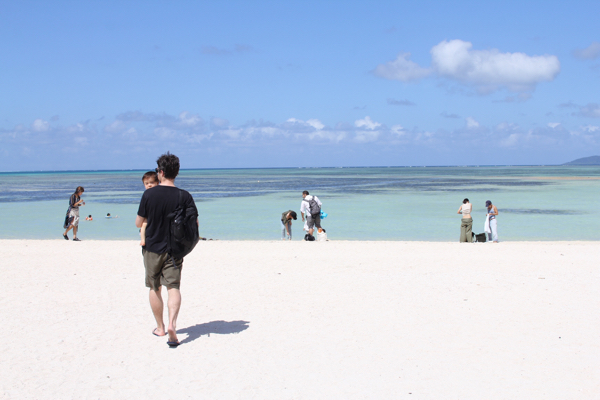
<point x="568" y="104"/>
<point x="402" y="69"/>
<point x="592" y="110"/>
<point x="405" y="102"/>
<point x="446" y="115"/>
<point x="217" y="51"/>
<point x="589" y="53"/>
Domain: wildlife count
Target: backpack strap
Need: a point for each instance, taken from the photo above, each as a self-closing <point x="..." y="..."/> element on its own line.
<point x="171" y="215"/>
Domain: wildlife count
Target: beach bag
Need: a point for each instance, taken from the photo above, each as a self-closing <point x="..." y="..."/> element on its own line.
<point x="322" y="236"/>
<point x="183" y="230"/>
<point x="309" y="238"/>
<point x="313" y="206"/>
<point x="480" y="238"/>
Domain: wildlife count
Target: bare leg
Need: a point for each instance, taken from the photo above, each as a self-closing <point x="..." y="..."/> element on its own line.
<point x="156" y="303"/>
<point x="75" y="232"/>
<point x="310" y="231"/>
<point x="174" y="303"/>
<point x="68" y="229"/>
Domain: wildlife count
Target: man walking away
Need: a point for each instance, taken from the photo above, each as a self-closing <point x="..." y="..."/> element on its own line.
<point x="311" y="207"/>
<point x="161" y="268"/>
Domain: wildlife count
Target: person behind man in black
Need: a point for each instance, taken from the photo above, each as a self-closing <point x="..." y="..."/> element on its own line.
<point x="155" y="205"/>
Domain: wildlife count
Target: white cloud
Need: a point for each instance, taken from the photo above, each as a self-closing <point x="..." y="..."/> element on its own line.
<point x="553" y="124"/>
<point x="366" y="136"/>
<point x="130" y="134"/>
<point x="591" y="128"/>
<point x="219" y="122"/>
<point x="315" y="123"/>
<point x="81" y="140"/>
<point x="164" y="133"/>
<point x="511" y="140"/>
<point x="398" y="130"/>
<point x="471" y="123"/>
<point x="489" y="69"/>
<point x="39" y="125"/>
<point x="367" y="123"/>
<point x="78" y="127"/>
<point x="589" y="53"/>
<point x="231" y="133"/>
<point x="485" y="70"/>
<point x="507" y="127"/>
<point x="401" y="69"/>
<point x="115" y="126"/>
<point x="189" y="120"/>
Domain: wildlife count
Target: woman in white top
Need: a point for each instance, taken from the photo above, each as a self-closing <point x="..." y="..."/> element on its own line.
<point x="466" y="223"/>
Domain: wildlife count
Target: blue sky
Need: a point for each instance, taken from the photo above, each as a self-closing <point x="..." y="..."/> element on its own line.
<point x="112" y="85"/>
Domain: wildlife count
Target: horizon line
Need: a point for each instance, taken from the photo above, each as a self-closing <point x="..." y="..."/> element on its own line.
<point x="328" y="167"/>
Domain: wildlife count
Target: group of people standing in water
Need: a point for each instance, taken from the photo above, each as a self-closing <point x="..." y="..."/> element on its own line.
<point x="466" y="223"/>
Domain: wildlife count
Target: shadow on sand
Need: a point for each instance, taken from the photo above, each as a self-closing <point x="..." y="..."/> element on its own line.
<point x="219" y="327"/>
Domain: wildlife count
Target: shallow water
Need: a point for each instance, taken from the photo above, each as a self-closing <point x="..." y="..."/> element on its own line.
<point x="418" y="203"/>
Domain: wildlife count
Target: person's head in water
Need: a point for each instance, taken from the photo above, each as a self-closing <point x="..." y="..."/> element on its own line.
<point x="465" y="201"/>
<point x="150" y="179"/>
<point x="168" y="164"/>
<point x="108" y="214"/>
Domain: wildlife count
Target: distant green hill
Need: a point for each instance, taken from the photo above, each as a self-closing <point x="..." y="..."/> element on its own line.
<point x="593" y="160"/>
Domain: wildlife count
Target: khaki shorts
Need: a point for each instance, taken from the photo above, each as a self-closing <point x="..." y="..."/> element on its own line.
<point x="74" y="213"/>
<point x="160" y="270"/>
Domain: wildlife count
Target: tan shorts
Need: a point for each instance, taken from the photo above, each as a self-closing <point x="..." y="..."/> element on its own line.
<point x="74" y="213"/>
<point x="161" y="271"/>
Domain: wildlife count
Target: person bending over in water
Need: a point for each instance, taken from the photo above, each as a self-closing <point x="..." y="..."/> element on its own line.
<point x="286" y="224"/>
<point x="150" y="179"/>
<point x="466" y="223"/>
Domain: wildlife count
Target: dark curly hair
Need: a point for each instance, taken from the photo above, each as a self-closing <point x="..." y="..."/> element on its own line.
<point x="169" y="164"/>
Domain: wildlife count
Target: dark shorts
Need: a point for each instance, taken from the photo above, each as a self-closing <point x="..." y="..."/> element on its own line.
<point x="161" y="271"/>
<point x="313" y="220"/>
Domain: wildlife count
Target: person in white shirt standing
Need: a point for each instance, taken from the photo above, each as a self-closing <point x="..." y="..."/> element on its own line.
<point x="311" y="207"/>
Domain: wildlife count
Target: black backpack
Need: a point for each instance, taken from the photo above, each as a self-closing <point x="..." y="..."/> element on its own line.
<point x="313" y="206"/>
<point x="183" y="230"/>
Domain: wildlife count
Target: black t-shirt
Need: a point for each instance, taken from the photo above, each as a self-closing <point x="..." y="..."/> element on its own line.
<point x="156" y="204"/>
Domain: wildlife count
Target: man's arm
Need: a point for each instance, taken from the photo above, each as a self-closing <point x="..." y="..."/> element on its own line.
<point x="139" y="221"/>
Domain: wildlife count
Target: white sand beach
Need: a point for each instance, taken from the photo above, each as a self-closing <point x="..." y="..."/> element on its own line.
<point x="300" y="320"/>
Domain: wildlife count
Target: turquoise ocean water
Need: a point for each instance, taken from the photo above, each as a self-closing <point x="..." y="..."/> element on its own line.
<point x="396" y="203"/>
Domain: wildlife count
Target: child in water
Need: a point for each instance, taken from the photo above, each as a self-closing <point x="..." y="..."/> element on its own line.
<point x="150" y="179"/>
